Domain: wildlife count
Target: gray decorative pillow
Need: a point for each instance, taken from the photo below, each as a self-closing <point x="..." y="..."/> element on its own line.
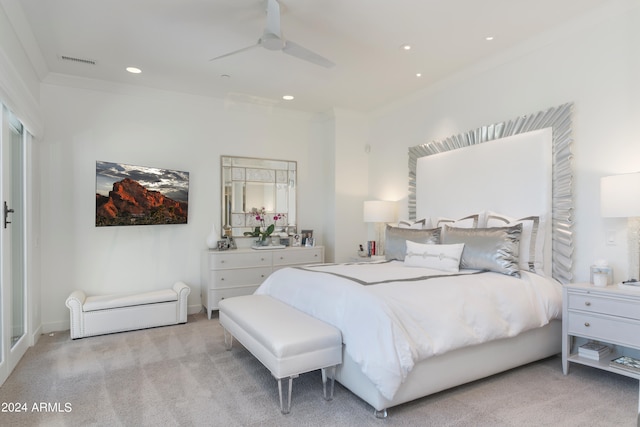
<point x="396" y="238"/>
<point x="495" y="249"/>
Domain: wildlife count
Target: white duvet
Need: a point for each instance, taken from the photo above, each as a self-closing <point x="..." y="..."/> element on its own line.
<point x="391" y="319"/>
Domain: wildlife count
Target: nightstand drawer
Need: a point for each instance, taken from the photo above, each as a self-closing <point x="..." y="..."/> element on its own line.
<point x="605" y="328"/>
<point x="601" y="304"/>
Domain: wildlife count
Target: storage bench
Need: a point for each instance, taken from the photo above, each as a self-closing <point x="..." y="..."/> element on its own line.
<point x="285" y="340"/>
<point x="106" y="314"/>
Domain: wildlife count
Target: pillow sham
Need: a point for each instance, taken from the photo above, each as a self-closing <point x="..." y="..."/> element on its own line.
<point x="396" y="238"/>
<point x="494" y="249"/>
<point x="531" y="254"/>
<point x="470" y="221"/>
<point x="438" y="257"/>
<point x="419" y="224"/>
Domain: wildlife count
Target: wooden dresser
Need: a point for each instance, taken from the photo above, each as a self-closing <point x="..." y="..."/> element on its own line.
<point x="240" y="271"/>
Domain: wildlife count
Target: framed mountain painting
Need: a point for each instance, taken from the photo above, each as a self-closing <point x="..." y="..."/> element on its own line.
<point x="140" y="195"/>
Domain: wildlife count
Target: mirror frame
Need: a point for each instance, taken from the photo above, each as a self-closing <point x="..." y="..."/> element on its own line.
<point x="559" y="120"/>
<point x="276" y="171"/>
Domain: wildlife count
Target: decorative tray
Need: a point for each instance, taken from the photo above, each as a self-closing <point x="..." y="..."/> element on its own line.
<point x="262" y="248"/>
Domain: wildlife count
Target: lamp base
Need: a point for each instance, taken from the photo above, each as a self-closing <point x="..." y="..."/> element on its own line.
<point x="633" y="226"/>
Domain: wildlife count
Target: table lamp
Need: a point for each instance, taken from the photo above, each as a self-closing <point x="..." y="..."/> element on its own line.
<point x="620" y="198"/>
<point x="379" y="212"/>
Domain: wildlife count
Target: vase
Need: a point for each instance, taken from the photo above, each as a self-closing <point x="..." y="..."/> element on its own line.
<point x="212" y="238"/>
<point x="263" y="241"/>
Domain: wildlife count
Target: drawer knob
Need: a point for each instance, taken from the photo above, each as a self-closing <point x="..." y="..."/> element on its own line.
<point x="587" y="303"/>
<point x="587" y="324"/>
<point x="222" y="262"/>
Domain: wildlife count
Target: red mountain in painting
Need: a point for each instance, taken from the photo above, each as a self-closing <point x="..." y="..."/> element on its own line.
<point x="129" y="203"/>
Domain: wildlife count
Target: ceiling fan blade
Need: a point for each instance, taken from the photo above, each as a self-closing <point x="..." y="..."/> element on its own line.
<point x="237" y="51"/>
<point x="273" y="17"/>
<point x="294" y="49"/>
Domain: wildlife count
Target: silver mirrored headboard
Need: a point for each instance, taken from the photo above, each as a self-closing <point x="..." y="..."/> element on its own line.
<point x="559" y="120"/>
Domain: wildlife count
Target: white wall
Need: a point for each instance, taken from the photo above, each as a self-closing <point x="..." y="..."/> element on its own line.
<point x="351" y="175"/>
<point x="593" y="62"/>
<point x="148" y="128"/>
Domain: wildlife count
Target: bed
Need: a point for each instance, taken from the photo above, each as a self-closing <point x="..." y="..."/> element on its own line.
<point x="470" y="288"/>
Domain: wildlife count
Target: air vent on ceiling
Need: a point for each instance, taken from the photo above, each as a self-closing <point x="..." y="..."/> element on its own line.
<point x="78" y="60"/>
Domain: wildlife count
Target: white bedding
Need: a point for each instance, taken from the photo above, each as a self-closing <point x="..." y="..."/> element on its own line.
<point x="391" y="319"/>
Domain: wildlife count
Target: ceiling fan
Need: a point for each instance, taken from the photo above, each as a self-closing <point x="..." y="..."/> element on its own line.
<point x="272" y="40"/>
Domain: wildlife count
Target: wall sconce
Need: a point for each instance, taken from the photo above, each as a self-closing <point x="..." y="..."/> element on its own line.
<point x="379" y="212"/>
<point x="620" y="198"/>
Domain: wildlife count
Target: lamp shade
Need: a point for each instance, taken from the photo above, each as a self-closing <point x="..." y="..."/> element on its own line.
<point x="379" y="211"/>
<point x="620" y="195"/>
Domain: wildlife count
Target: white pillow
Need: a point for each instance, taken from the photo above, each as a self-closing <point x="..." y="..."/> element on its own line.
<point x="531" y="254"/>
<point x="418" y="224"/>
<point x="470" y="221"/>
<point x="439" y="257"/>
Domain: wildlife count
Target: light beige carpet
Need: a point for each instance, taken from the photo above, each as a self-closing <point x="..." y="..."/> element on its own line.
<point x="183" y="376"/>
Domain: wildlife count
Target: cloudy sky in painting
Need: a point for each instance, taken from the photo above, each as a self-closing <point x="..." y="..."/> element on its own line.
<point x="173" y="184"/>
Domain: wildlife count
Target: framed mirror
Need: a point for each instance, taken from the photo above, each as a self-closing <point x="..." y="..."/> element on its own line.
<point x="250" y="184"/>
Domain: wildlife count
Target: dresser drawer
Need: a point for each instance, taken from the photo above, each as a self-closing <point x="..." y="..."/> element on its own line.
<point x="215" y="295"/>
<point x="238" y="277"/>
<point x="297" y="256"/>
<point x="239" y="260"/>
<point x="592" y="303"/>
<point x="605" y="328"/>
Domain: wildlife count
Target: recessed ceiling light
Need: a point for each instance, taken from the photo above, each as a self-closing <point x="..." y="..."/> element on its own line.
<point x="134" y="70"/>
<point x="418" y="74"/>
<point x="406" y="47"/>
<point x="288" y="97"/>
<point x="488" y="38"/>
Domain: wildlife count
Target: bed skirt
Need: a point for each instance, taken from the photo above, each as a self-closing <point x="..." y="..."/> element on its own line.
<point x="457" y="367"/>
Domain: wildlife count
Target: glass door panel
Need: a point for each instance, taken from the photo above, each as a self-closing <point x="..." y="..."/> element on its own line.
<point x="13" y="295"/>
<point x="17" y="234"/>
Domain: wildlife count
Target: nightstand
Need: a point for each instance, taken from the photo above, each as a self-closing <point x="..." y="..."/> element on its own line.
<point x="609" y="315"/>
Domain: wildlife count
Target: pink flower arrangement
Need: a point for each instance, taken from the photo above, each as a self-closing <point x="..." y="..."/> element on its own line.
<point x="262" y="230"/>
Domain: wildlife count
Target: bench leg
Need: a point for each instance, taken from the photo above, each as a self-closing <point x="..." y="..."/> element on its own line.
<point x="332" y="377"/>
<point x="228" y="339"/>
<point x="285" y="409"/>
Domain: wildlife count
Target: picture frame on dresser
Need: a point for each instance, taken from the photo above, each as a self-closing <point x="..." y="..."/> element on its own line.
<point x="306" y="234"/>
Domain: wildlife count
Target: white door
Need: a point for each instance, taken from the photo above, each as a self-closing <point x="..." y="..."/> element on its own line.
<point x="13" y="295"/>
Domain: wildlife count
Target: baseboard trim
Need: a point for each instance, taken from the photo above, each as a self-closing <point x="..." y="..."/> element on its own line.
<point x="195" y="309"/>
<point x="35" y="336"/>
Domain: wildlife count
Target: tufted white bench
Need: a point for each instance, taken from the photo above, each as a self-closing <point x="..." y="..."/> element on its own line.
<point x="106" y="314"/>
<point x="285" y="340"/>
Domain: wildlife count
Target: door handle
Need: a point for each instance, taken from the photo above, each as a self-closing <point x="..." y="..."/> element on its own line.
<point x="7" y="211"/>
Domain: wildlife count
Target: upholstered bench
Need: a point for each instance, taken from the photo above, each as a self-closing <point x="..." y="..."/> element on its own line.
<point x="285" y="340"/>
<point x="106" y="314"/>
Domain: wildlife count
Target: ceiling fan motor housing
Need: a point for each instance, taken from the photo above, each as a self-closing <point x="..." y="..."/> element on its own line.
<point x="271" y="41"/>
